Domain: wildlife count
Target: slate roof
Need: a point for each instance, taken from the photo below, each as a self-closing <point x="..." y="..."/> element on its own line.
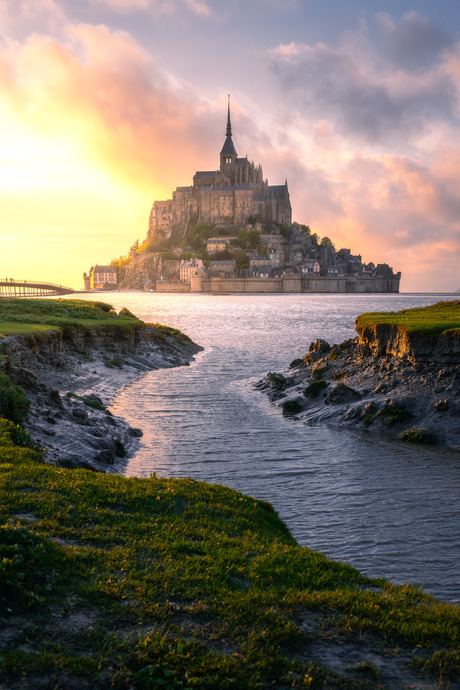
<point x="205" y="173"/>
<point x="277" y="189"/>
<point x="229" y="147"/>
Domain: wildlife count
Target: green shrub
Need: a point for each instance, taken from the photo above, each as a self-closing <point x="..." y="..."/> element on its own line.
<point x="319" y="372"/>
<point x="15" y="434"/>
<point x="277" y="381"/>
<point x="368" y="419"/>
<point x="417" y="435"/>
<point x="14" y="404"/>
<point x="393" y="414"/>
<point x="291" y="407"/>
<point x="120" y="450"/>
<point x="314" y="389"/>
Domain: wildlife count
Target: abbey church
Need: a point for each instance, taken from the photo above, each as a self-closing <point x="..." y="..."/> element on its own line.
<point x="227" y="196"/>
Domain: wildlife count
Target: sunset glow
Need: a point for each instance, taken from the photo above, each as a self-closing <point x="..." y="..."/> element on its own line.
<point x="110" y="104"/>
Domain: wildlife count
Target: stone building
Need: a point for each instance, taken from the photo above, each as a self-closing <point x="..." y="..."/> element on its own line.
<point x="100" y="277"/>
<point x="189" y="269"/>
<point x="227" y="196"/>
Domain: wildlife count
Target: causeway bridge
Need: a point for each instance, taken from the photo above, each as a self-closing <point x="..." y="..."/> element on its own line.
<point x="31" y="288"/>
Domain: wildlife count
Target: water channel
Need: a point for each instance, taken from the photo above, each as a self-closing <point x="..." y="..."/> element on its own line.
<point x="389" y="509"/>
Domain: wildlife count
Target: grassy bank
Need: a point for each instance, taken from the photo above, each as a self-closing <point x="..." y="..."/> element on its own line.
<point x="432" y="320"/>
<point x="28" y="316"/>
<point x="113" y="582"/>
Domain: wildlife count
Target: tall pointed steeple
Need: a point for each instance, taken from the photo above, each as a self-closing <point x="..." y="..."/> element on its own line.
<point x="228" y="155"/>
<point x="229" y="124"/>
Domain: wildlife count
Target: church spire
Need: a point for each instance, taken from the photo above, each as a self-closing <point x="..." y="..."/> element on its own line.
<point x="228" y="155"/>
<point x="229" y="124"/>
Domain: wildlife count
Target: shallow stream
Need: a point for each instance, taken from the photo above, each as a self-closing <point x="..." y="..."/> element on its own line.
<point x="389" y="509"/>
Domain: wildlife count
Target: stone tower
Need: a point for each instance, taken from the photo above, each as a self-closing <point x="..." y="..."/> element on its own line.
<point x="228" y="155"/>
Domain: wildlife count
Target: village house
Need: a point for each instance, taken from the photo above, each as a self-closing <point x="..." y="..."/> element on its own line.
<point x="101" y="277"/>
<point x="310" y="266"/>
<point x="222" y="269"/>
<point x="189" y="269"/>
<point x="261" y="271"/>
<point x="275" y="255"/>
<point x="216" y="244"/>
<point x="257" y="260"/>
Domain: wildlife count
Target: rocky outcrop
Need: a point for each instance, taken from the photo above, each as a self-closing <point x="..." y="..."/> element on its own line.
<point x="146" y="269"/>
<point x="384" y="381"/>
<point x="71" y="377"/>
<point x="395" y="341"/>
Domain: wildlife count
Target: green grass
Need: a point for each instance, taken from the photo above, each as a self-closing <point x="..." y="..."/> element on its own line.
<point x="432" y="320"/>
<point x="35" y="316"/>
<point x="164" y="332"/>
<point x="114" y="582"/>
<point x="14" y="404"/>
<point x="15" y="328"/>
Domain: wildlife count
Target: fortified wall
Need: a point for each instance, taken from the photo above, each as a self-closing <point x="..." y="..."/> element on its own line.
<point x="293" y="283"/>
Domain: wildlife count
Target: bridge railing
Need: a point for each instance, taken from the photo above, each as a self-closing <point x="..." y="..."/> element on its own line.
<point x="10" y="281"/>
<point x="24" y="288"/>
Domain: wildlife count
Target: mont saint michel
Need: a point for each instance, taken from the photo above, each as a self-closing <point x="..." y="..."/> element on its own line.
<point x="228" y="196"/>
<point x="231" y="231"/>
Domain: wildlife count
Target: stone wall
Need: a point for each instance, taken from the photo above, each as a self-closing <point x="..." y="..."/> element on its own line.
<point x="294" y="283"/>
<point x="171" y="286"/>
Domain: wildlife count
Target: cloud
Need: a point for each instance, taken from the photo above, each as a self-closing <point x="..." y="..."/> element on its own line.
<point x="21" y="17"/>
<point x="102" y="91"/>
<point x="357" y="87"/>
<point x="375" y="119"/>
<point x="413" y="43"/>
<point x="157" y="7"/>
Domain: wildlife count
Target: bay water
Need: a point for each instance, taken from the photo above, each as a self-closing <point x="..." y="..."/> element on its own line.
<point x="392" y="510"/>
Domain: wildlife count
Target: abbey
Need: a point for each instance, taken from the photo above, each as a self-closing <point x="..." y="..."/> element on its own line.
<point x="227" y="196"/>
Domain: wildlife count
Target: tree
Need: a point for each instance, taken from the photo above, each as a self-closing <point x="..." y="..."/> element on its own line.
<point x="327" y="242"/>
<point x="252" y="220"/>
<point x="243" y="237"/>
<point x="224" y="255"/>
<point x="241" y="258"/>
<point x="254" y="239"/>
<point x="134" y="247"/>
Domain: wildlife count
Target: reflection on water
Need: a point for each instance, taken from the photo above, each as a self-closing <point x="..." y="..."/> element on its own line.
<point x="389" y="509"/>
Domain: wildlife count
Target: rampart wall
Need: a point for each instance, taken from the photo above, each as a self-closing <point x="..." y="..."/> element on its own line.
<point x="296" y="283"/>
<point x="289" y="284"/>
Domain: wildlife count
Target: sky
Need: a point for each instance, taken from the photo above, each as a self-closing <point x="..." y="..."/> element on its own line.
<point x="109" y="105"/>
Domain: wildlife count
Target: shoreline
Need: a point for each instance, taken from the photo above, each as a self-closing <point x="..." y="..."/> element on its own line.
<point x="70" y="388"/>
<point x="403" y="385"/>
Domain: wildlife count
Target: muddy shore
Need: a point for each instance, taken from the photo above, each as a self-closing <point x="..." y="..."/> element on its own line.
<point x="71" y="383"/>
<point x="379" y="385"/>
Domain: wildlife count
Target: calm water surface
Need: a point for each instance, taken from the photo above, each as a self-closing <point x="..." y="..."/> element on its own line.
<point x="386" y="508"/>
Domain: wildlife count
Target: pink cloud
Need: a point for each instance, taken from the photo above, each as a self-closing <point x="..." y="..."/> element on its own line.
<point x="101" y="89"/>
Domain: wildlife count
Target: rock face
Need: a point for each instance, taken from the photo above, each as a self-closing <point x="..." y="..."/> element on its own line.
<point x="70" y="379"/>
<point x="146" y="269"/>
<point x="396" y="342"/>
<point x="385" y="381"/>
